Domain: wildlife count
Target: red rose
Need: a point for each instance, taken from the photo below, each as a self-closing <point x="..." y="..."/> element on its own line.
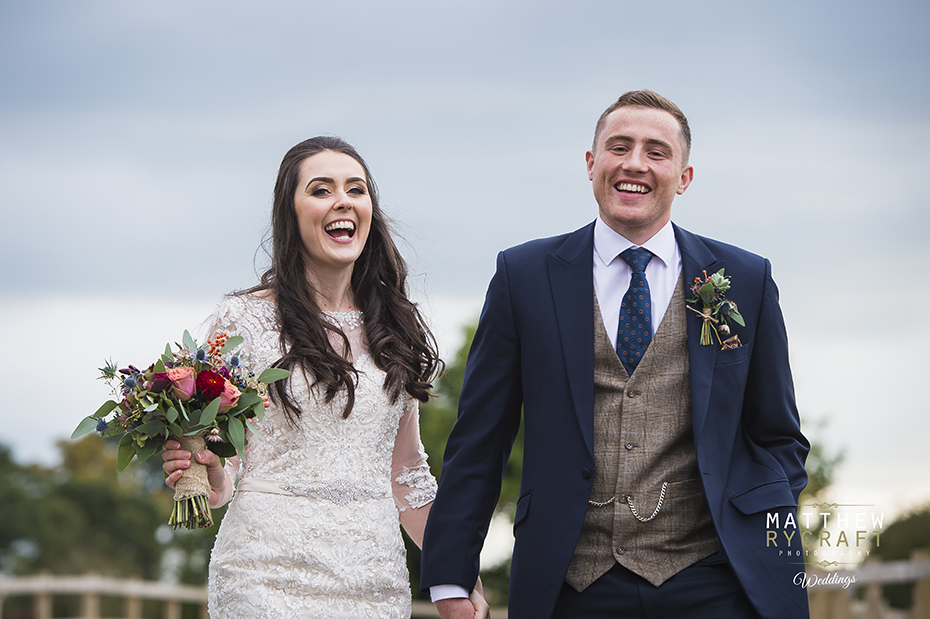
<point x="211" y="385"/>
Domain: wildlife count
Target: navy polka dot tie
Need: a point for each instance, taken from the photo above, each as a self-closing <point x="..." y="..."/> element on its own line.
<point x="635" y="331"/>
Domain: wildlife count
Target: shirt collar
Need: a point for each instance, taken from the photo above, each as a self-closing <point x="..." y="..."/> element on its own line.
<point x="608" y="244"/>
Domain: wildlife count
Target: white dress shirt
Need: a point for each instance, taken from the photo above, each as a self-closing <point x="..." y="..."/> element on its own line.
<point x="612" y="274"/>
<point x="611" y="279"/>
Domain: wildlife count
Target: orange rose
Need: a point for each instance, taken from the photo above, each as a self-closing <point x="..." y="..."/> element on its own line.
<point x="183" y="382"/>
<point x="229" y="397"/>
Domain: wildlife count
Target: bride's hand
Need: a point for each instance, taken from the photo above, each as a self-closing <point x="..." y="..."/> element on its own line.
<point x="176" y="460"/>
<point x="482" y="610"/>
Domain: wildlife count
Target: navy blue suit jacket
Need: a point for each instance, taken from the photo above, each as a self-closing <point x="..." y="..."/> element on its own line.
<point x="534" y="349"/>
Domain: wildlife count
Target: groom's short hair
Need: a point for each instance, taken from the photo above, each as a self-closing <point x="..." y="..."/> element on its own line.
<point x="648" y="99"/>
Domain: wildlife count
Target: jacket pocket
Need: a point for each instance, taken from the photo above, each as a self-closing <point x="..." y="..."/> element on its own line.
<point x="767" y="496"/>
<point x="733" y="355"/>
<point x="523" y="509"/>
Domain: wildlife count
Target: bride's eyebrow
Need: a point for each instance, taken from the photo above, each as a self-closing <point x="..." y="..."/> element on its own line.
<point x="327" y="179"/>
<point x="324" y="179"/>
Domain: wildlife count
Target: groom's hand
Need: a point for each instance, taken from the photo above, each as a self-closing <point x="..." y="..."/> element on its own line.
<point x="457" y="608"/>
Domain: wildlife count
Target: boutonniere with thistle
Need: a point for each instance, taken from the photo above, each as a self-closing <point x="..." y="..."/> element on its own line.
<point x="710" y="295"/>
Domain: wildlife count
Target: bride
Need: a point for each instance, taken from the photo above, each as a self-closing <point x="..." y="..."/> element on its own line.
<point x="312" y="530"/>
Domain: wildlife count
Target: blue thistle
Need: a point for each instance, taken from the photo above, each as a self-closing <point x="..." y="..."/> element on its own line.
<point x="200" y="355"/>
<point x="102" y="426"/>
<point x="234" y="361"/>
<point x="129" y="383"/>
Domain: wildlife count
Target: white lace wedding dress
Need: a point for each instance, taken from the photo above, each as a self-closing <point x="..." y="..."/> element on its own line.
<point x="313" y="529"/>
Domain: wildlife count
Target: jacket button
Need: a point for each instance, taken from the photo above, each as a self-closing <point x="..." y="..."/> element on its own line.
<point x="586" y="473"/>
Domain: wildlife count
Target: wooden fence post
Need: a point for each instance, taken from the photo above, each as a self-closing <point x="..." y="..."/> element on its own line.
<point x="874" y="602"/>
<point x="172" y="609"/>
<point x="920" y="606"/>
<point x="43" y="602"/>
<point x="90" y="605"/>
<point x="133" y="608"/>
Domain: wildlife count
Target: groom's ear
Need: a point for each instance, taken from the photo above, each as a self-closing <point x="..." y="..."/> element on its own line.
<point x="687" y="175"/>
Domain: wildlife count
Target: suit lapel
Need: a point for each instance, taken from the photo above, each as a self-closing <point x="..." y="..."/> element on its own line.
<point x="695" y="259"/>
<point x="572" y="284"/>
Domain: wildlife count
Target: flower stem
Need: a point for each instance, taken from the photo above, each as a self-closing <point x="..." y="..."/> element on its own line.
<point x="191" y="513"/>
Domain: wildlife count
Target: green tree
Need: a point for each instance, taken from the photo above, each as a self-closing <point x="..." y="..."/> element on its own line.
<point x="821" y="468"/>
<point x="436" y="420"/>
<point x="439" y="415"/>
<point x="909" y="532"/>
<point x="80" y="516"/>
<point x="75" y="519"/>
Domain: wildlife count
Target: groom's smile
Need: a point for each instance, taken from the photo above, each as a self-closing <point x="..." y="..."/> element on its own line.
<point x="637" y="168"/>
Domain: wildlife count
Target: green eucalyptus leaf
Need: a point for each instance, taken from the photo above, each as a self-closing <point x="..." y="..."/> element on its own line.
<point x="167" y="356"/>
<point x="105" y="409"/>
<point x="707" y="294"/>
<point x="151" y="448"/>
<point x="125" y="455"/>
<point x="150" y="407"/>
<point x="223" y="450"/>
<point x="171" y="414"/>
<point x="272" y="374"/>
<point x="188" y="341"/>
<point x="247" y="400"/>
<point x="209" y="413"/>
<point x="87" y="425"/>
<point x="232" y="343"/>
<point x="152" y="428"/>
<point x="737" y="318"/>
<point x="259" y="410"/>
<point x="255" y="431"/>
<point x="194" y="417"/>
<point x="175" y="429"/>
<point x="236" y="434"/>
<point x="159" y="367"/>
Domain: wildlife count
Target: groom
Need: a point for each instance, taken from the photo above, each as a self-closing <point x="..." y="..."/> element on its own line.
<point x="654" y="467"/>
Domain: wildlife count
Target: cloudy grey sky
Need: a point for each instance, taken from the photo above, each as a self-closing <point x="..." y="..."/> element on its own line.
<point x="139" y="143"/>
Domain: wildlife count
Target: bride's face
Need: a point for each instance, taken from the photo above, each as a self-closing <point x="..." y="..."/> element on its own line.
<point x="333" y="210"/>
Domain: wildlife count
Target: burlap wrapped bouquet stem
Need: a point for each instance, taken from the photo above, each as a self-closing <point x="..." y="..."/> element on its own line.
<point x="192" y="491"/>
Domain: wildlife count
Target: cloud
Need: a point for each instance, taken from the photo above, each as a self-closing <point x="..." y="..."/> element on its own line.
<point x="139" y="145"/>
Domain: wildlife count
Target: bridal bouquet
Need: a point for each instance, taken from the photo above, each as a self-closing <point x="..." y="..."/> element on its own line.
<point x="201" y="396"/>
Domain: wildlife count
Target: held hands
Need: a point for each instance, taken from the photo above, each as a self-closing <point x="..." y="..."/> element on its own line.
<point x="482" y="610"/>
<point x="472" y="607"/>
<point x="177" y="460"/>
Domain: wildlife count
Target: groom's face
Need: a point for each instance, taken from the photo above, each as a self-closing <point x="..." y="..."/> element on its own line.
<point x="637" y="168"/>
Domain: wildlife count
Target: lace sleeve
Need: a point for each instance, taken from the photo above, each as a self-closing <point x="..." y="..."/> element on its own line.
<point x="233" y="317"/>
<point x="232" y="472"/>
<point x="230" y="317"/>
<point x="413" y="485"/>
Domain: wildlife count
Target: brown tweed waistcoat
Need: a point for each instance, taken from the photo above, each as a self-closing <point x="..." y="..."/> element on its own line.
<point x="642" y="439"/>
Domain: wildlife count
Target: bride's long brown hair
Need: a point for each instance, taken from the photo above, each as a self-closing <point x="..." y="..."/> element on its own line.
<point x="399" y="341"/>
